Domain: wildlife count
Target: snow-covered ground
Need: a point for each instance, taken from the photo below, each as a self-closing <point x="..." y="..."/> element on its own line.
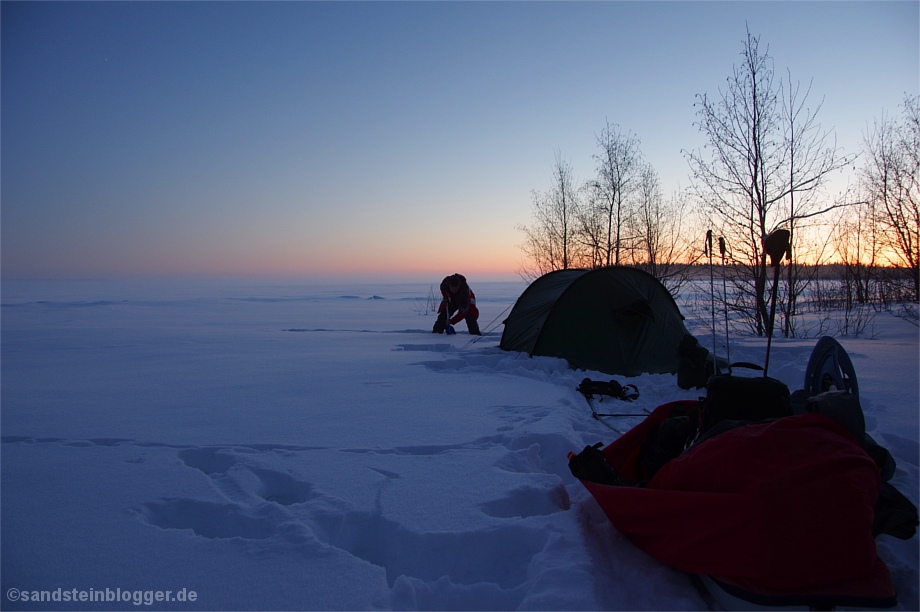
<point x="309" y="447"/>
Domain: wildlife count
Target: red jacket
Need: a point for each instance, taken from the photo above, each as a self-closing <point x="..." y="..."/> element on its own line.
<point x="463" y="302"/>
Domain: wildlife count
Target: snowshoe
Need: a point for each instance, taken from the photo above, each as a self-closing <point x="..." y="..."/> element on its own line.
<point x="830" y="369"/>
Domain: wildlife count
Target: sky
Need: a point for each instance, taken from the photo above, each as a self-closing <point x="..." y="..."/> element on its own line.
<point x="381" y="140"/>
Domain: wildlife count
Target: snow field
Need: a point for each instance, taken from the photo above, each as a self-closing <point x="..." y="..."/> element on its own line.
<point x="282" y="447"/>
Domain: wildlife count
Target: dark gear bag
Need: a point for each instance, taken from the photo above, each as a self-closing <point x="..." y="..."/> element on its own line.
<point x="695" y="364"/>
<point x="592" y="466"/>
<point x="730" y="402"/>
<point x="589" y="388"/>
<point x="667" y="440"/>
<point x="738" y="398"/>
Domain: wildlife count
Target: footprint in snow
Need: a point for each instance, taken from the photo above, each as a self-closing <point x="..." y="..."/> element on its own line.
<point x="278" y="513"/>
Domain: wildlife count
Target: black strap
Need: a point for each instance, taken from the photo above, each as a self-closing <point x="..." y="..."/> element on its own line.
<point x="746" y="364"/>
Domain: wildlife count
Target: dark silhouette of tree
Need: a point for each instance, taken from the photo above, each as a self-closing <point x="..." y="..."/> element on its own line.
<point x="619" y="172"/>
<point x="765" y="158"/>
<point x="891" y="180"/>
<point x="550" y="242"/>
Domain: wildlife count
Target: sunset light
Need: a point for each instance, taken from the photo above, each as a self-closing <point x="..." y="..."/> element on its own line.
<point x="310" y="138"/>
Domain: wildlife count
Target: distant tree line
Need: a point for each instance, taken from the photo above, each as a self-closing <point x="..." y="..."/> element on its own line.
<point x="877" y="240"/>
<point x="763" y="168"/>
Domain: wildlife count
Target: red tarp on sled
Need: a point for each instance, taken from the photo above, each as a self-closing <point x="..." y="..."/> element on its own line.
<point x="780" y="507"/>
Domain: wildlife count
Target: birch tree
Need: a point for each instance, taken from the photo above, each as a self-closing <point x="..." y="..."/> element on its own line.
<point x="550" y="242"/>
<point x="811" y="155"/>
<point x="619" y="167"/>
<point x="891" y="178"/>
<point x="659" y="226"/>
<point x="765" y="158"/>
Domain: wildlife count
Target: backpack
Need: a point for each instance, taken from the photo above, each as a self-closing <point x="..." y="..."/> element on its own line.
<point x="730" y="402"/>
<point x="591" y="465"/>
<point x="739" y="398"/>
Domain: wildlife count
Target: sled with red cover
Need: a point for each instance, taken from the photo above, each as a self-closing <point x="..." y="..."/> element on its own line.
<point x="775" y="513"/>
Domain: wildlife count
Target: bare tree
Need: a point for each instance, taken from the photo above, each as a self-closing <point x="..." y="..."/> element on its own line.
<point x="662" y="248"/>
<point x="550" y="242"/>
<point x="812" y="154"/>
<point x="617" y="218"/>
<point x="592" y="229"/>
<point x="646" y="222"/>
<point x="855" y="240"/>
<point x="733" y="180"/>
<point x="619" y="166"/>
<point x="891" y="178"/>
<point x="766" y="155"/>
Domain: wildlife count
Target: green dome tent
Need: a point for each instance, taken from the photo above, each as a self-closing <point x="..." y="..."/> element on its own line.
<point x="616" y="320"/>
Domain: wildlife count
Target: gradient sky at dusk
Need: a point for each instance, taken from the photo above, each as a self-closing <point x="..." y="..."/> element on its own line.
<point x="392" y="138"/>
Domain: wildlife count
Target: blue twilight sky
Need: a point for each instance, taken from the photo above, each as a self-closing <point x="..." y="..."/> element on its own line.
<point x="386" y="138"/>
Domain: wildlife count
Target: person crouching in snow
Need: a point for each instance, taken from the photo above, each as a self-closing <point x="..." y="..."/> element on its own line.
<point x="459" y="298"/>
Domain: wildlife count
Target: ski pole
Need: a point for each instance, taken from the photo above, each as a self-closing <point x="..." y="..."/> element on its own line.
<point x="725" y="304"/>
<point x="712" y="301"/>
<point x="776" y="245"/>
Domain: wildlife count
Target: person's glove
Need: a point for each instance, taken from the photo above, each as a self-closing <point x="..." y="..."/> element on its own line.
<point x="450" y="330"/>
